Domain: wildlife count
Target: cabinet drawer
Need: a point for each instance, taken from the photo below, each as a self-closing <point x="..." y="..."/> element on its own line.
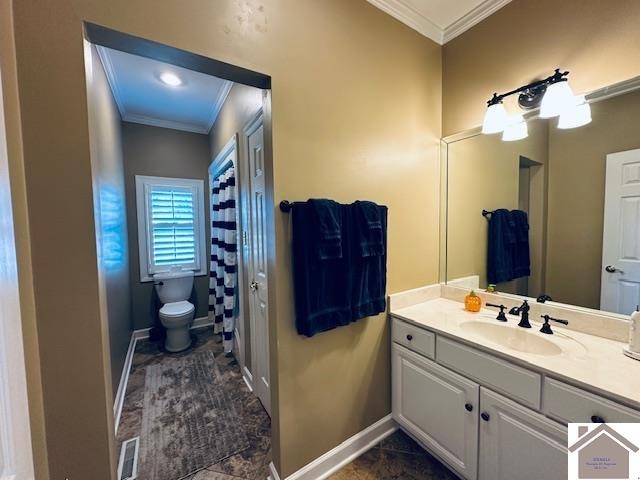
<point x="515" y="382"/>
<point x="414" y="338"/>
<point x="569" y="404"/>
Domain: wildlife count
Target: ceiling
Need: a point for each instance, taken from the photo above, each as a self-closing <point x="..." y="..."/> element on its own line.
<point x="142" y="97"/>
<point x="440" y="20"/>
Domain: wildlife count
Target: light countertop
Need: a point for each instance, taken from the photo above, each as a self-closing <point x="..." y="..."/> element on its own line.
<point x="592" y="362"/>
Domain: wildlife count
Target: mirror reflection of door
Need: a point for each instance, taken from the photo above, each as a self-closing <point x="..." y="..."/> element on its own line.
<point x="620" y="290"/>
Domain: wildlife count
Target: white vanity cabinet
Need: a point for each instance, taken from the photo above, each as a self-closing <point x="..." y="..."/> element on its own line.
<point x="481" y="414"/>
<point x="437" y="406"/>
<point x="516" y="442"/>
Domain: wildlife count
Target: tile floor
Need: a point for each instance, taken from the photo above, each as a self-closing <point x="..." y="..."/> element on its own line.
<point x="397" y="457"/>
<point x="251" y="464"/>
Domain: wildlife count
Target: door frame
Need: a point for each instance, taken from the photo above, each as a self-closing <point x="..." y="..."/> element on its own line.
<point x="16" y="457"/>
<point x="256" y="121"/>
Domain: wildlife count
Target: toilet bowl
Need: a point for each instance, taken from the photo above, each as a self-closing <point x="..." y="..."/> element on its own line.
<point x="177" y="318"/>
<point x="176" y="315"/>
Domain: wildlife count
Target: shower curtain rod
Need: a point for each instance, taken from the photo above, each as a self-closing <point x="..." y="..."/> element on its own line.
<point x="225" y="166"/>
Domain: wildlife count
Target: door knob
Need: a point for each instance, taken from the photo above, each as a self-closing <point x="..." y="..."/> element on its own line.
<point x="468" y="407"/>
<point x="485" y="416"/>
<point x="612" y="269"/>
<point x="253" y="286"/>
<point x="409" y="337"/>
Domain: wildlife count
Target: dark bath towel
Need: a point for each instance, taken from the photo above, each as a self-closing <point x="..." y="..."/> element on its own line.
<point x="369" y="228"/>
<point x="322" y="286"/>
<point x="500" y="248"/>
<point x="521" y="260"/>
<point x="327" y="217"/>
<point x="369" y="263"/>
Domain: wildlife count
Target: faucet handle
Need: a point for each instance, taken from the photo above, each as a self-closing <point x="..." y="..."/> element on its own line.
<point x="501" y="316"/>
<point x="546" y="328"/>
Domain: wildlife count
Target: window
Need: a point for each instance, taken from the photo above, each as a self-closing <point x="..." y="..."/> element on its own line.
<point x="170" y="225"/>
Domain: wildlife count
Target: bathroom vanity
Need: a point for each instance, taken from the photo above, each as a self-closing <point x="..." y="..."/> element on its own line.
<point x="492" y="400"/>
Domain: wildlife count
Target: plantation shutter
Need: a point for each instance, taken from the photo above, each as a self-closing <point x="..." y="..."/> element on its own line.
<point x="172" y="227"/>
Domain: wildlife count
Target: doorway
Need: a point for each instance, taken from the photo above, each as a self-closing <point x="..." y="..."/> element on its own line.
<point x="186" y="396"/>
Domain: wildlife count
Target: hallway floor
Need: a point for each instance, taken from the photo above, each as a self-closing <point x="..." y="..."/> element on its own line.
<point x="249" y="464"/>
<point x="397" y="457"/>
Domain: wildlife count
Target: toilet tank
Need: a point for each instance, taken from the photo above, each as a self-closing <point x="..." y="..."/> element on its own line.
<point x="173" y="286"/>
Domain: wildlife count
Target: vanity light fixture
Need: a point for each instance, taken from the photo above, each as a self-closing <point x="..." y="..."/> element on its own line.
<point x="171" y="79"/>
<point x="495" y="118"/>
<point x="554" y="97"/>
<point x="516" y="129"/>
<point x="577" y="115"/>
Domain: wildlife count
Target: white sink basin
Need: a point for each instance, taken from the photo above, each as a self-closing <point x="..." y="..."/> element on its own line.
<point x="515" y="338"/>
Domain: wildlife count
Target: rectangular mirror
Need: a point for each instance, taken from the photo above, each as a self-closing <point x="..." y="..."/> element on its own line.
<point x="580" y="190"/>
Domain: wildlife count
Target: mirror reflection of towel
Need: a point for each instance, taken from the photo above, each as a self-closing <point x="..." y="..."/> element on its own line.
<point x="521" y="260"/>
<point x="508" y="246"/>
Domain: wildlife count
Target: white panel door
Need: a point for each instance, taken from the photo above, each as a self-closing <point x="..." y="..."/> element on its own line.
<point x="437" y="406"/>
<point x="16" y="461"/>
<point x="518" y="443"/>
<point x="258" y="293"/>
<point x="620" y="290"/>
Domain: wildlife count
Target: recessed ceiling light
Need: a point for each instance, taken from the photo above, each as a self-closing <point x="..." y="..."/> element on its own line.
<point x="170" y="79"/>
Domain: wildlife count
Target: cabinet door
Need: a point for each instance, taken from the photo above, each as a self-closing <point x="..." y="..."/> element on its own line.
<point x="516" y="442"/>
<point x="437" y="406"/>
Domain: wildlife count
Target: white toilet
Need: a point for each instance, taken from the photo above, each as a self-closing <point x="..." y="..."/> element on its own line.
<point x="174" y="289"/>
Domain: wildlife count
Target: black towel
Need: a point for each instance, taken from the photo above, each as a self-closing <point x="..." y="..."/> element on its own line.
<point x="500" y="248"/>
<point x="369" y="228"/>
<point x="322" y="286"/>
<point x="368" y="223"/>
<point x="521" y="260"/>
<point x="328" y="229"/>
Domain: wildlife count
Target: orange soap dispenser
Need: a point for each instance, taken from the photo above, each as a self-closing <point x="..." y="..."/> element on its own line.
<point x="472" y="302"/>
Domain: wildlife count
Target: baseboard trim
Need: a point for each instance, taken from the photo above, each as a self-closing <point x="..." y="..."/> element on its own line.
<point x="346" y="452"/>
<point x="124" y="380"/>
<point x="137" y="335"/>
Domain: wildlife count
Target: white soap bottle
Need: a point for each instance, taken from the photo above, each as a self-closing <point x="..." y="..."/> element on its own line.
<point x="634" y="336"/>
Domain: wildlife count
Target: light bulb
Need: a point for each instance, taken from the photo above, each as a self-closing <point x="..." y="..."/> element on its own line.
<point x="558" y="98"/>
<point x="576" y="116"/>
<point x="516" y="129"/>
<point x="171" y="79"/>
<point x="495" y="119"/>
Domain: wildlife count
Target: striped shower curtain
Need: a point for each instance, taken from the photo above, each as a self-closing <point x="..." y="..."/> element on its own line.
<point x="222" y="275"/>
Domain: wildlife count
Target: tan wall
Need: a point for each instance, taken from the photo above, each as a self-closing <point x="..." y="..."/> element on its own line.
<point x="161" y="152"/>
<point x="242" y="104"/>
<point x="356" y="114"/>
<point x="23" y="241"/>
<point x="576" y="197"/>
<point x="110" y="212"/>
<point x="597" y="41"/>
<point x="483" y="173"/>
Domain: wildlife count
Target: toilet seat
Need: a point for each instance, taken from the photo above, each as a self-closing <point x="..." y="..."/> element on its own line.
<point x="176" y="309"/>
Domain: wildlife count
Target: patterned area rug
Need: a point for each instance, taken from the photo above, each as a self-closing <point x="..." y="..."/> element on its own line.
<point x="188" y="422"/>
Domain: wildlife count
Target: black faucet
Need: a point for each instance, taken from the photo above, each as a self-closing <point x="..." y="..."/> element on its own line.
<point x="501" y="316"/>
<point x="523" y="311"/>
<point x="546" y="328"/>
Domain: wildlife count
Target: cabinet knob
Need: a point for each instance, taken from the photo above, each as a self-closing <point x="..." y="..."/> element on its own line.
<point x="468" y="407"/>
<point x="485" y="416"/>
<point x="597" y="419"/>
<point x="409" y="337"/>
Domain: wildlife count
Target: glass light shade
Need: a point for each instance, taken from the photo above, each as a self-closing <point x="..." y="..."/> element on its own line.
<point x="516" y="129"/>
<point x="576" y="116"/>
<point x="558" y="98"/>
<point x="495" y="119"/>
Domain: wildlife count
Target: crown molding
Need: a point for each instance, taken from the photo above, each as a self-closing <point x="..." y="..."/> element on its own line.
<point x="410" y="17"/>
<point x="414" y="19"/>
<point x="156" y="122"/>
<point x="475" y="16"/>
<point x="217" y="106"/>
